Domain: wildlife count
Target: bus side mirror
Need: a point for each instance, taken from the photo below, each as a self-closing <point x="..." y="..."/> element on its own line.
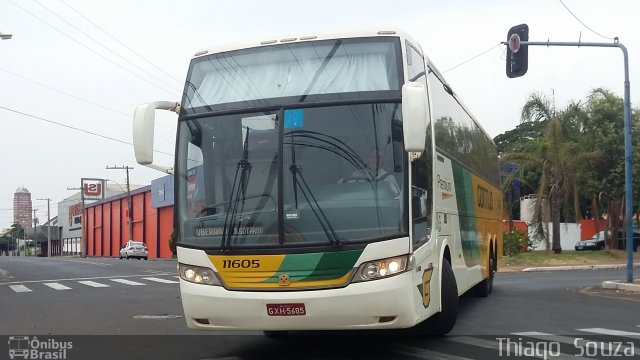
<point x="144" y="120"/>
<point x="415" y="115"/>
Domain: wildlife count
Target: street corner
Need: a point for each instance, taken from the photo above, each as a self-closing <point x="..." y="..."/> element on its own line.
<point x="622" y="285"/>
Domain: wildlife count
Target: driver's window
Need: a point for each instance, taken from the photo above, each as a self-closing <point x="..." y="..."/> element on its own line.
<point x="195" y="180"/>
<point x="422" y="168"/>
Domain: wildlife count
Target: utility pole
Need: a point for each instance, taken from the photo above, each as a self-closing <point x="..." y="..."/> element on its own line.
<point x="35" y="234"/>
<point x="48" y="226"/>
<point x="127" y="168"/>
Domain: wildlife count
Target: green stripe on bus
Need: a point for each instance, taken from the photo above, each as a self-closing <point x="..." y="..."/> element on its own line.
<point x="316" y="266"/>
<point x="466" y="214"/>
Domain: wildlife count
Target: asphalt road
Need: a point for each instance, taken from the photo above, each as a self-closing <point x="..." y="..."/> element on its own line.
<point x="74" y="299"/>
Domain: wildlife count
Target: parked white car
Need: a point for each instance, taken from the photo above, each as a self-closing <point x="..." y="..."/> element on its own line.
<point x="134" y="249"/>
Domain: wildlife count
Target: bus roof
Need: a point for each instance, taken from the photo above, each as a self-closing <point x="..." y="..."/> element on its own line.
<point x="377" y="32"/>
<point x="305" y="37"/>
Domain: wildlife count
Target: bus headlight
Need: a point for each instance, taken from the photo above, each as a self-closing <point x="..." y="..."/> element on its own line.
<point x="198" y="275"/>
<point x="378" y="269"/>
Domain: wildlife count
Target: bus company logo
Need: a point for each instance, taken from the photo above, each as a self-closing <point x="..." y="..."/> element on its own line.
<point x="26" y="347"/>
<point x="283" y="280"/>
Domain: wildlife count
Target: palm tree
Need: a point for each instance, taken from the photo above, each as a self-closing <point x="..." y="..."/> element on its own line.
<point x="556" y="156"/>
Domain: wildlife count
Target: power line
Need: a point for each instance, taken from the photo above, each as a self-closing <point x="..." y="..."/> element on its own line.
<point x="74" y="96"/>
<point x="583" y="24"/>
<point x="75" y="128"/>
<point x="102" y="45"/>
<point x="90" y="49"/>
<point x="473" y="58"/>
<point x="65" y="93"/>
<point x="118" y="41"/>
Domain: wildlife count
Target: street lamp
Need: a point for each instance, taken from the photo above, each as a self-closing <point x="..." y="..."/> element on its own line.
<point x="5" y="36"/>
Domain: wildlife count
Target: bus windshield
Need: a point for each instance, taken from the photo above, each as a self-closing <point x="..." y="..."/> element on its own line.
<point x="320" y="176"/>
<point x="251" y="77"/>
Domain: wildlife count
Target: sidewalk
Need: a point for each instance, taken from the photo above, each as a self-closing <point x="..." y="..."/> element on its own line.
<point x="609" y="284"/>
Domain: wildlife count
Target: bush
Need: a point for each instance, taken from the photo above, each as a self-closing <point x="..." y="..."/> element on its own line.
<point x="515" y="242"/>
<point x="172" y="243"/>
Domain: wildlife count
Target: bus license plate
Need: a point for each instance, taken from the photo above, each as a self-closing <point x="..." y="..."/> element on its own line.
<point x="296" y="309"/>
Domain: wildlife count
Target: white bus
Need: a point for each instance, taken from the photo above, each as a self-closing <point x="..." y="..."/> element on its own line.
<point x="327" y="182"/>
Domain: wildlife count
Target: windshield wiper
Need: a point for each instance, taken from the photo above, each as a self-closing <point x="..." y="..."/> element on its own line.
<point x="338" y="147"/>
<point x="296" y="171"/>
<point x="244" y="169"/>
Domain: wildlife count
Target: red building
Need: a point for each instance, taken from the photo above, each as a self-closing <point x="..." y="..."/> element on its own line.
<point x="107" y="221"/>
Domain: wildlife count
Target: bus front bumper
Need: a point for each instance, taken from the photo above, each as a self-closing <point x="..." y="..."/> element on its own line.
<point x="379" y="304"/>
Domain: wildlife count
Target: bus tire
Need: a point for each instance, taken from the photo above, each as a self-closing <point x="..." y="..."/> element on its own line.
<point x="442" y="322"/>
<point x="485" y="287"/>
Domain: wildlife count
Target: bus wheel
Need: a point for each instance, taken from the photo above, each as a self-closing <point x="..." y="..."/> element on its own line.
<point x="276" y="334"/>
<point x="485" y="287"/>
<point x="443" y="322"/>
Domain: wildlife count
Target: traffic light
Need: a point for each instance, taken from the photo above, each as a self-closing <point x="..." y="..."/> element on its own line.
<point x="517" y="54"/>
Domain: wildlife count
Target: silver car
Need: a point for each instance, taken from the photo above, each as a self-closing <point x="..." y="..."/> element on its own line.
<point x="134" y="249"/>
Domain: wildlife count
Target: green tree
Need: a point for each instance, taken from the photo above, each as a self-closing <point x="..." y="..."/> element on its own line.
<point x="556" y="156"/>
<point x="605" y="181"/>
<point x="5" y="239"/>
<point x="516" y="139"/>
<point x="16" y="231"/>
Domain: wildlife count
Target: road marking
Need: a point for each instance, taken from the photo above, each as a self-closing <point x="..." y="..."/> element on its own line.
<point x="93" y="284"/>
<point x="164" y="281"/>
<point x="75" y="279"/>
<point x="423" y="353"/>
<point x="57" y="286"/>
<point x="502" y="346"/>
<point x="610" y="332"/>
<point x="87" y="262"/>
<point x="531" y="333"/>
<point x="127" y="282"/>
<point x="3" y="272"/>
<point x="19" y="288"/>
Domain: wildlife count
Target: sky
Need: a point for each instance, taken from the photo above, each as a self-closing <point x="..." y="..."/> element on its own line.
<point x="75" y="70"/>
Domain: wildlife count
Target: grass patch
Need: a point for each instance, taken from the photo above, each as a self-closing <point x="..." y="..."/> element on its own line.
<point x="543" y="258"/>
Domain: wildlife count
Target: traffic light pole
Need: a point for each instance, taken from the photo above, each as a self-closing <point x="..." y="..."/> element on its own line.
<point x="628" y="177"/>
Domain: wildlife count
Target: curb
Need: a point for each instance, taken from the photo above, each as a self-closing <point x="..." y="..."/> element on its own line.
<point x="578" y="267"/>
<point x="622" y="285"/>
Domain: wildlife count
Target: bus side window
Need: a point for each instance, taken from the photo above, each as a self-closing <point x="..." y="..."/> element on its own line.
<point x="421" y="198"/>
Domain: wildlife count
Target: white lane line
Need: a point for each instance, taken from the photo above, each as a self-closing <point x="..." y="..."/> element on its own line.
<point x="87" y="262"/>
<point x="164" y="281"/>
<point x="531" y="333"/>
<point x="57" y="286"/>
<point x="604" y="331"/>
<point x="19" y="288"/>
<point x="127" y="282"/>
<point x="93" y="284"/>
<point x="75" y="279"/>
